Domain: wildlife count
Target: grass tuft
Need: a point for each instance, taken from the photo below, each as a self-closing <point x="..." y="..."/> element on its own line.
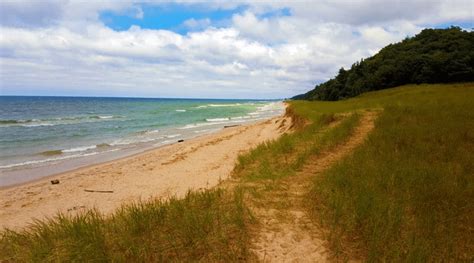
<point x="203" y="226"/>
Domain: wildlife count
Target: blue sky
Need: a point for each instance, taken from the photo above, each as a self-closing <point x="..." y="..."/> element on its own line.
<point x="212" y="49"/>
<point x="169" y="17"/>
<point x="172" y="16"/>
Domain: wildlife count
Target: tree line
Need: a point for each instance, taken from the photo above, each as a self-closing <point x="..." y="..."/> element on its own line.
<point x="432" y="56"/>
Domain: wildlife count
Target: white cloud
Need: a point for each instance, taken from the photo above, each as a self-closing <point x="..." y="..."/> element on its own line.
<point x="197" y="24"/>
<point x="66" y="49"/>
<point x="30" y="14"/>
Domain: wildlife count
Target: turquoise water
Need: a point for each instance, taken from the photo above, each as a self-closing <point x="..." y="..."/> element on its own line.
<point x="38" y="131"/>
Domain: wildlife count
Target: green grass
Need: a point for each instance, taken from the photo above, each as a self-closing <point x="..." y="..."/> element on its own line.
<point x="282" y="158"/>
<point x="407" y="194"/>
<point x="204" y="226"/>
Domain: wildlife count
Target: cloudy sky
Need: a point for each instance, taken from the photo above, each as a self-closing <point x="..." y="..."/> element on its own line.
<point x="219" y="49"/>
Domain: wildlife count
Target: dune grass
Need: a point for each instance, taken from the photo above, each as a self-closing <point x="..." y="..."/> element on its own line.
<point x="407" y="194"/>
<point x="283" y="157"/>
<point x="204" y="226"/>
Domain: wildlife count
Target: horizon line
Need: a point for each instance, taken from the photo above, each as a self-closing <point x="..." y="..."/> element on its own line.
<point x="127" y="97"/>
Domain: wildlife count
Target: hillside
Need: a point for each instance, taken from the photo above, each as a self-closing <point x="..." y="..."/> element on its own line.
<point x="432" y="56"/>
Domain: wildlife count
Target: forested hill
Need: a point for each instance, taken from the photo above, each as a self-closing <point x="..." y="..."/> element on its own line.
<point x="432" y="56"/>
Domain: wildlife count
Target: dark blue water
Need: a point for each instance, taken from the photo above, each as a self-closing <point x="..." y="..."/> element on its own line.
<point x="47" y="130"/>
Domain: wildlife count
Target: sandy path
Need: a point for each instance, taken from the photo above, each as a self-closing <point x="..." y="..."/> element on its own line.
<point x="287" y="234"/>
<point x="172" y="170"/>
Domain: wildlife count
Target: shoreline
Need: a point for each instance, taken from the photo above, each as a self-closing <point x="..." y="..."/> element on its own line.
<point x="97" y="134"/>
<point x="17" y="177"/>
<point x="165" y="171"/>
<point x="123" y="158"/>
<point x="89" y="166"/>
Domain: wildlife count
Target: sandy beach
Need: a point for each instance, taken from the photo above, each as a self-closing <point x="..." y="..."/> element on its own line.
<point x="159" y="173"/>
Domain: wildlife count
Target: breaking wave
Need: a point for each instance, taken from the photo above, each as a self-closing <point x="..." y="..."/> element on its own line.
<point x="57" y="121"/>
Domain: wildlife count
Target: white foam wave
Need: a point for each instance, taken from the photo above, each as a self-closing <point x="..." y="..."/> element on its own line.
<point x="272" y="108"/>
<point x="141" y="139"/>
<point x="206" y="130"/>
<point x="167" y="141"/>
<point x="217" y="119"/>
<point x="106" y="117"/>
<point x="57" y="121"/>
<point x="188" y="126"/>
<point x="52" y="159"/>
<point x="152" y="131"/>
<point x="181" y="110"/>
<point x="35" y="124"/>
<point x="80" y="149"/>
<point x="240" y="117"/>
<point x="225" y="105"/>
<point x="197" y="125"/>
<point x="132" y="141"/>
<point x="219" y="105"/>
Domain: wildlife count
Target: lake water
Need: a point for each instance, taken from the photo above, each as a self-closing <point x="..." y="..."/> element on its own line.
<point x="40" y="133"/>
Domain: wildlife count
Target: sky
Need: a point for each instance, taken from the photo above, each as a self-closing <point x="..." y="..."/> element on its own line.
<point x="195" y="49"/>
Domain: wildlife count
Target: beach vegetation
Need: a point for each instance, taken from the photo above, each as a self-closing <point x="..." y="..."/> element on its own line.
<point x="205" y="226"/>
<point x="407" y="193"/>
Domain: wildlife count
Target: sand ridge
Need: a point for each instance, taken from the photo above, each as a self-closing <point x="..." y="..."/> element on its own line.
<point x="160" y="173"/>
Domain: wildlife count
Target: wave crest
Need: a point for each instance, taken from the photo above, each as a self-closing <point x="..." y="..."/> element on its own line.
<point x="57" y="121"/>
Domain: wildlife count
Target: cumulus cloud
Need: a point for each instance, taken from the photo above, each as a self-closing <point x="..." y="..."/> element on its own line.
<point x="259" y="53"/>
<point x="197" y="24"/>
<point x="360" y="12"/>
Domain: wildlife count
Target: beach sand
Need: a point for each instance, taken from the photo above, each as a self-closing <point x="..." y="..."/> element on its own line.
<point x="159" y="173"/>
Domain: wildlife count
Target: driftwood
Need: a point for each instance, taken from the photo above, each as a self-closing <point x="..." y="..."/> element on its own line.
<point x="229" y="126"/>
<point x="98" y="191"/>
<point x="180" y="140"/>
<point x="56" y="181"/>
